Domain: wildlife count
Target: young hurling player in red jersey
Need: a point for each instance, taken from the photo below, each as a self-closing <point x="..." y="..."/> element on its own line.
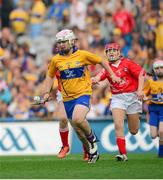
<point x="126" y="96"/>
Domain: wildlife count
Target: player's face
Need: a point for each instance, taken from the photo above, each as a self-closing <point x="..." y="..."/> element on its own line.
<point x="64" y="47"/>
<point x="159" y="71"/>
<point x="113" y="54"/>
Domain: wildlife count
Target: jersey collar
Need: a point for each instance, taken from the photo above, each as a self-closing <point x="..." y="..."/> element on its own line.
<point x="117" y="64"/>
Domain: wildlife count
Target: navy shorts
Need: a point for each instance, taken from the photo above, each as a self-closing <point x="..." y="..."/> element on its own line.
<point x="156" y="114"/>
<point x="70" y="105"/>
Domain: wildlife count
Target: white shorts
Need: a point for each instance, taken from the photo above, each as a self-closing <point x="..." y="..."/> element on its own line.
<point x="59" y="96"/>
<point x="127" y="101"/>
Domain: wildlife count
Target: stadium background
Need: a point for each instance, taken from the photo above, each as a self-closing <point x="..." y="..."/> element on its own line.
<point x="27" y="41"/>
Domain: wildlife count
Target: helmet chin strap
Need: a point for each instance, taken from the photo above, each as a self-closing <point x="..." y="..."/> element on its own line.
<point x="73" y="48"/>
<point x="68" y="50"/>
<point x="111" y="59"/>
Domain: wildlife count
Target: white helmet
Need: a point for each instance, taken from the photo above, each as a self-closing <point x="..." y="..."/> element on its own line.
<point x="65" y="35"/>
<point x="158" y="63"/>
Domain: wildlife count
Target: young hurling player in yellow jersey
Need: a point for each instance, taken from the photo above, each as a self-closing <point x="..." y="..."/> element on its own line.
<point x="154" y="89"/>
<point x="76" y="86"/>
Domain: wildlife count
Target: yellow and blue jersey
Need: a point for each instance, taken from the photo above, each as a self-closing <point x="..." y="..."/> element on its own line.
<point x="74" y="74"/>
<point x="19" y="19"/>
<point x="154" y="89"/>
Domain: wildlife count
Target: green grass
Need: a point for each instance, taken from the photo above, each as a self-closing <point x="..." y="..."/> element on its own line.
<point x="139" y="166"/>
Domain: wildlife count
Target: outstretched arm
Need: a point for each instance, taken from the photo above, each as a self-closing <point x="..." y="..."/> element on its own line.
<point x="96" y="79"/>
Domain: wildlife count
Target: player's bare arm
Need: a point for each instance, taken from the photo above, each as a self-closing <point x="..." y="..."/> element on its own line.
<point x="48" y="86"/>
<point x="95" y="80"/>
<point x="141" y="80"/>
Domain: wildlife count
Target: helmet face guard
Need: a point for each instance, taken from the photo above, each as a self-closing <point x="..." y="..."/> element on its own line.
<point x="158" y="68"/>
<point x="112" y="51"/>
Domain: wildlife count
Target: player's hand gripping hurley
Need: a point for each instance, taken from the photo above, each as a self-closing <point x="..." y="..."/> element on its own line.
<point x="37" y="100"/>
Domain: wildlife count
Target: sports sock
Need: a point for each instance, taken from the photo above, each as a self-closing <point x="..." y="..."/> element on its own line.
<point x="121" y="142"/>
<point x="91" y="137"/>
<point x="84" y="148"/>
<point x="160" y="149"/>
<point x="64" y="136"/>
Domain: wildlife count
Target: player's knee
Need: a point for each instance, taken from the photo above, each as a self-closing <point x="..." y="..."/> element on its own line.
<point x="77" y="120"/>
<point x="133" y="131"/>
<point x="153" y="135"/>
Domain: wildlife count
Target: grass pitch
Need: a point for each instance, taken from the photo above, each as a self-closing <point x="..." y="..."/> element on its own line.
<point x="139" y="166"/>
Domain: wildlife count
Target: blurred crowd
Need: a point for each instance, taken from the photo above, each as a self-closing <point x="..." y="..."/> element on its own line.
<point x="27" y="43"/>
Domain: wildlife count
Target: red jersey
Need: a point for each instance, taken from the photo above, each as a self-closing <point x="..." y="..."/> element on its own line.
<point x="125" y="21"/>
<point x="128" y="71"/>
<point x="58" y="79"/>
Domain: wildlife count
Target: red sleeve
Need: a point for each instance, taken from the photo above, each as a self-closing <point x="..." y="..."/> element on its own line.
<point x="57" y="75"/>
<point x="135" y="69"/>
<point x="103" y="75"/>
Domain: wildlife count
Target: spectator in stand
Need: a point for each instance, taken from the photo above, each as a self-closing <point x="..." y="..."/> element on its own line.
<point x="5" y="94"/>
<point x="116" y="35"/>
<point x="19" y="19"/>
<point x="7" y="39"/>
<point x="4" y="110"/>
<point x="159" y="34"/>
<point x="159" y="54"/>
<point x="21" y="57"/>
<point x="1" y="54"/>
<point x="37" y="17"/>
<point x="90" y="13"/>
<point x="38" y="112"/>
<point x="19" y="107"/>
<point x="78" y="14"/>
<point x="98" y="40"/>
<point x="152" y="19"/>
<point x="57" y="10"/>
<point x="6" y="8"/>
<point x="107" y="26"/>
<point x="160" y="9"/>
<point x="124" y="20"/>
